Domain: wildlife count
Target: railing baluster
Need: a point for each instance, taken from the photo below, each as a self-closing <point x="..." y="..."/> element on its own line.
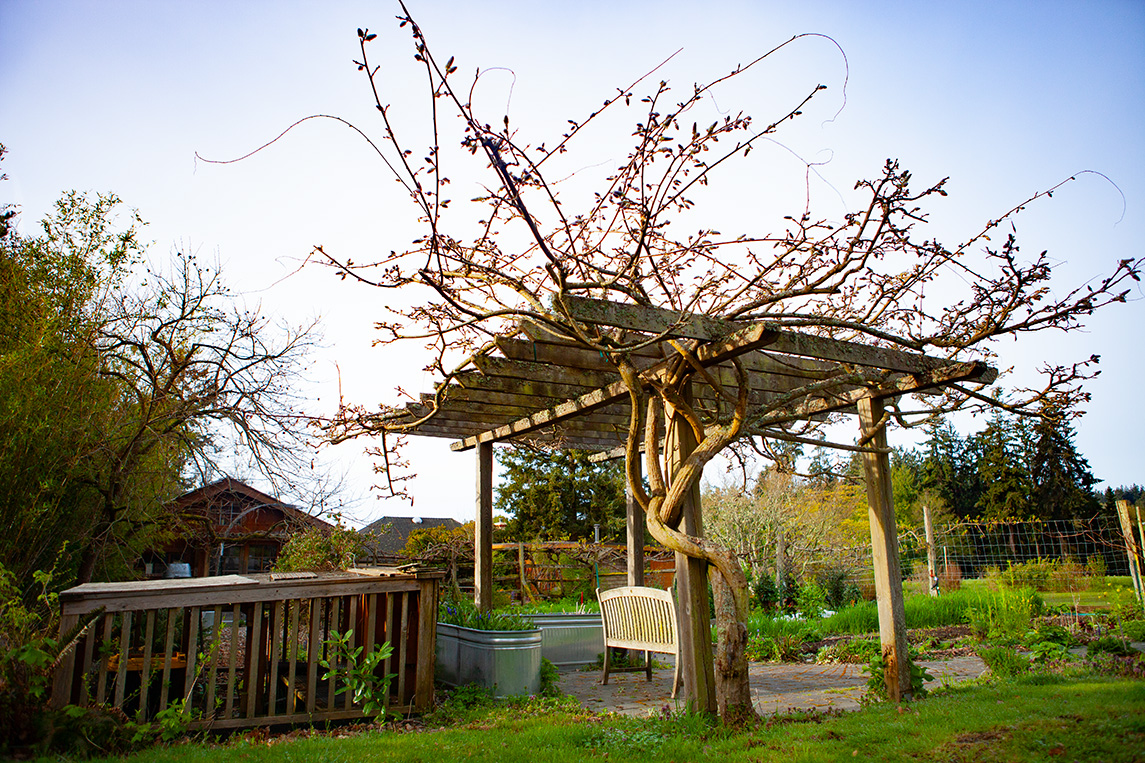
<point x="124" y="654"/>
<point x="403" y="637"/>
<point x="168" y="647"/>
<point x="232" y="667"/>
<point x="145" y="675"/>
<point x="333" y="625"/>
<point x="277" y="622"/>
<point x="312" y="649"/>
<point x="295" y="637"/>
<point x="352" y="626"/>
<point x="104" y="660"/>
<point x="190" y="656"/>
<point x="213" y="653"/>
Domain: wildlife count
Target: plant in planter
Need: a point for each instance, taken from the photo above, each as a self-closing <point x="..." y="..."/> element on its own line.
<point x="497" y="650"/>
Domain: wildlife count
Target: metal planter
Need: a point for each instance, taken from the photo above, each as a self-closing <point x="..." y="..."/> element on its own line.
<point x="508" y="662"/>
<point x="570" y="639"/>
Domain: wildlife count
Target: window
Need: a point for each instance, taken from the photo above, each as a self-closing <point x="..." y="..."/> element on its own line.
<point x="260" y="557"/>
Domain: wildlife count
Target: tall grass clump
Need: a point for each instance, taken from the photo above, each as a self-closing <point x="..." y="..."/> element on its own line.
<point x="952" y="608"/>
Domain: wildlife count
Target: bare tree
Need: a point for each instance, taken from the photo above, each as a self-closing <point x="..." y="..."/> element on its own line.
<point x="539" y="259"/>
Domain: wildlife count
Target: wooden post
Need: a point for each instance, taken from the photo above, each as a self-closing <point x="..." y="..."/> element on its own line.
<point x="635" y="536"/>
<point x="694" y="614"/>
<point x="426" y="645"/>
<point x="483" y="543"/>
<point x="885" y="552"/>
<point x="1123" y="515"/>
<point x="931" y="551"/>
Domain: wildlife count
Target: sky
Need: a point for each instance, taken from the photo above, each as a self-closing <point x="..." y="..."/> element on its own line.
<point x="1004" y="98"/>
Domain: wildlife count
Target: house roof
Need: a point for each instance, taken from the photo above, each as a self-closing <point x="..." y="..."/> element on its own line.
<point x="391" y="542"/>
<point x="211" y="495"/>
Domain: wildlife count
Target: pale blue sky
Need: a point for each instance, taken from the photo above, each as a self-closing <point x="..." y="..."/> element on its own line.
<point x="1006" y="98"/>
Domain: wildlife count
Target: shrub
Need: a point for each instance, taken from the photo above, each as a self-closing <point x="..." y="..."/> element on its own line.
<point x="313" y="550"/>
<point x="1004" y="661"/>
<point x="1134" y="630"/>
<point x="1110" y="645"/>
<point x="838" y="590"/>
<point x="766" y="593"/>
<point x="810" y="601"/>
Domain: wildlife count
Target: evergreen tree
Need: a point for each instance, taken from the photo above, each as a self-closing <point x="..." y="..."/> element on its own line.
<point x="1006" y="483"/>
<point x="560" y="495"/>
<point x="1063" y="483"/>
<point x="950" y="472"/>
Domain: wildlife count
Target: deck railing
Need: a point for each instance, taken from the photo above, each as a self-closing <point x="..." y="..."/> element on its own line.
<point x="246" y="650"/>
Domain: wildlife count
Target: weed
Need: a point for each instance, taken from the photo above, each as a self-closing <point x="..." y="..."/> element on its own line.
<point x="368" y="689"/>
<point x="1004" y="661"/>
<point x="853" y="651"/>
<point x="550" y="676"/>
<point x="877" y="682"/>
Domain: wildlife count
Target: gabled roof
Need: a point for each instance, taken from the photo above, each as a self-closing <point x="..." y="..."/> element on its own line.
<point x="391" y="542"/>
<point x="213" y="493"/>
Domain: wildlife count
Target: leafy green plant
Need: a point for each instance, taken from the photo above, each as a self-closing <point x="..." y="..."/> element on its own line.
<point x="877" y="680"/>
<point x="765" y="592"/>
<point x="1050" y="632"/>
<point x="811" y="601"/>
<point x="1048" y="651"/>
<point x="550" y="677"/>
<point x="1110" y="645"/>
<point x="360" y="674"/>
<point x="314" y="550"/>
<point x="1134" y="630"/>
<point x="1004" y="661"/>
<point x="464" y="612"/>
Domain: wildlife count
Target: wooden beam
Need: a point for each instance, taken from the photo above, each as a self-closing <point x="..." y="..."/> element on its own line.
<point x="885" y="552"/>
<point x="745" y="340"/>
<point x="829" y="401"/>
<point x="695" y="326"/>
<point x="544" y="372"/>
<point x="483" y="542"/>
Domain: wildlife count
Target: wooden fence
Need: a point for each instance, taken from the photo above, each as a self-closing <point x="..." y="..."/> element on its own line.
<point x="245" y="650"/>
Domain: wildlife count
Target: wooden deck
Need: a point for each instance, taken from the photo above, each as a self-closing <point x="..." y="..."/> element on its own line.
<point x="245" y="650"/>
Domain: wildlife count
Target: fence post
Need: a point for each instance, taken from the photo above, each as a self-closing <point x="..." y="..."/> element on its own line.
<point x="1130" y="545"/>
<point x="930" y="550"/>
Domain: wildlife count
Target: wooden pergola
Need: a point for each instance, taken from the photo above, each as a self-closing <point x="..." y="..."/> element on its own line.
<point x="540" y="386"/>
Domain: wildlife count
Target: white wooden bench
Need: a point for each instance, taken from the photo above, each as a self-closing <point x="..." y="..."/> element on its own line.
<point x="636" y="617"/>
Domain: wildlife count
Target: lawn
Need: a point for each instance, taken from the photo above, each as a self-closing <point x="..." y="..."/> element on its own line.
<point x="1042" y="717"/>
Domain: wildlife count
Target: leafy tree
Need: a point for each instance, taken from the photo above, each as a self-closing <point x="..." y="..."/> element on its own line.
<point x="446" y="545"/>
<point x="560" y="495"/>
<point x="119" y="385"/>
<point x="535" y="248"/>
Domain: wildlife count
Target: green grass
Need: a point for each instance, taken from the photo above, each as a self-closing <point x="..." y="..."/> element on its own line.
<point x="1049" y="719"/>
<point x="921" y="611"/>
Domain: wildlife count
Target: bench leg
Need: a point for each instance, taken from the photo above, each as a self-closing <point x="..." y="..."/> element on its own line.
<point x="607" y="653"/>
<point x="676" y="678"/>
<point x="648" y="664"/>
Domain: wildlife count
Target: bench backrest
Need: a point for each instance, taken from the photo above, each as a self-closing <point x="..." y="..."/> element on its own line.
<point x="636" y="617"/>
